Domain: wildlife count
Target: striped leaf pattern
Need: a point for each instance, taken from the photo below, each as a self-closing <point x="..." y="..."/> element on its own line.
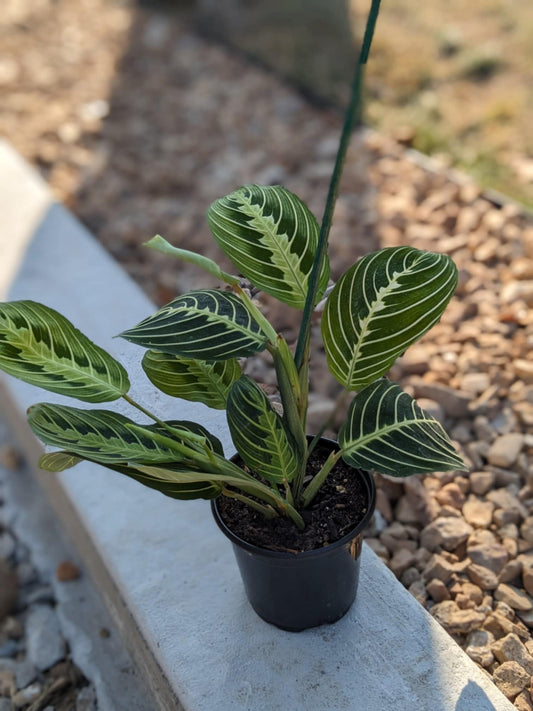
<point x="197" y="380"/>
<point x="104" y="436"/>
<point x="204" y="325"/>
<point x="388" y="432"/>
<point x="167" y="481"/>
<point x="271" y="236"/>
<point x="41" y="347"/>
<point x="258" y="433"/>
<point x="379" y="307"/>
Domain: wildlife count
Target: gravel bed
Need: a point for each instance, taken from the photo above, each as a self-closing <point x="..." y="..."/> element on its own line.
<point x="36" y="669"/>
<point x="185" y="122"/>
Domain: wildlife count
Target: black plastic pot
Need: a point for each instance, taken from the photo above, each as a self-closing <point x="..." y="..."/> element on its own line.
<point x="295" y="591"/>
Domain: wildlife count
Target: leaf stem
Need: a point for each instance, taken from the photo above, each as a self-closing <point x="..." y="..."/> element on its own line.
<point x="352" y="113"/>
<point x="267" y="511"/>
<point x="173" y="430"/>
<point x="312" y="488"/>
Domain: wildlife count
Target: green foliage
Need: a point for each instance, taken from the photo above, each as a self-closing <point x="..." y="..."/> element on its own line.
<point x="379" y="307"/>
<point x="271" y="237"/>
<point x="38" y="345"/>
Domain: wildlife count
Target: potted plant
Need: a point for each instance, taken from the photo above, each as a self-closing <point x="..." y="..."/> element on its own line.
<point x="293" y="506"/>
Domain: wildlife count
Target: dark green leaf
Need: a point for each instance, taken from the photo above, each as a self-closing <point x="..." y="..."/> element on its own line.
<point x="271" y="237"/>
<point x="204" y="325"/>
<point x="379" y="307"/>
<point x="41" y="347"/>
<point x="387" y="431"/>
<point x="259" y="434"/>
<point x="196" y="380"/>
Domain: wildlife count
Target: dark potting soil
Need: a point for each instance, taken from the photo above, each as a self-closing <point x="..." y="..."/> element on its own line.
<point x="338" y="507"/>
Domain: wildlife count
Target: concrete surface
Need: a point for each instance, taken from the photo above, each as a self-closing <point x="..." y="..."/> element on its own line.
<point x="167" y="575"/>
<point x="105" y="661"/>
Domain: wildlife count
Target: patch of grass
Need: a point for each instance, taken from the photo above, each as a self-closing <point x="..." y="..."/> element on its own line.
<point x="481" y="64"/>
<point x="429" y="138"/>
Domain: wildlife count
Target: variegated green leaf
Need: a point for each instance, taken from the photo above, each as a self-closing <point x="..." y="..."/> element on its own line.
<point x="204" y="325"/>
<point x="41" y="347"/>
<point x="161" y="245"/>
<point x="259" y="434"/>
<point x="104" y="436"/>
<point x="58" y="461"/>
<point x="164" y="480"/>
<point x="387" y="431"/>
<point x="379" y="307"/>
<point x="271" y="237"/>
<point x="197" y="380"/>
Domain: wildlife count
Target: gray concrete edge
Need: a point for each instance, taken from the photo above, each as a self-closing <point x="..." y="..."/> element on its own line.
<point x="170" y="581"/>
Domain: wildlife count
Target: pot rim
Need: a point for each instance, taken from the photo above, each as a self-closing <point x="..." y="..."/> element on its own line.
<point x="316" y="552"/>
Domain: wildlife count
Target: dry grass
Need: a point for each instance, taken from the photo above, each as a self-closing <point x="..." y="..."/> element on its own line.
<point x="456" y="77"/>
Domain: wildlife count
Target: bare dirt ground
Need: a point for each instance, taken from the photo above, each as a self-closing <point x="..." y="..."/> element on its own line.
<point x="138" y="124"/>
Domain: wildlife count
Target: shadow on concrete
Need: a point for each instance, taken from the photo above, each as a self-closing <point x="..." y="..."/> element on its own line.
<point x="473" y="697"/>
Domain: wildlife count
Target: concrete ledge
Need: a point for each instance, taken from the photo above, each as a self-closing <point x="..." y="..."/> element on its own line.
<point x="167" y="575"/>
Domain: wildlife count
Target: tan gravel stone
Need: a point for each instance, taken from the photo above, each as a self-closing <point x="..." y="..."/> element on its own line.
<point x="499" y="625"/>
<point x="454" y="402"/>
<point x="526" y="529"/>
<point x="383" y="505"/>
<point x="455" y="620"/>
<point x="400" y="561"/>
<point x="418" y="591"/>
<point x="447" y="533"/>
<point x="523" y="701"/>
<point x="437" y="590"/>
<point x="523" y="369"/>
<point x="514" y="597"/>
<point x="405" y="511"/>
<point x="527" y="579"/>
<point x="450" y="495"/>
<point x="511" y="679"/>
<point x="439" y="567"/>
<point x="504" y="450"/>
<point x="510" y="572"/>
<point x="478" y="513"/>
<point x="481" y="482"/>
<point x="490" y="555"/>
<point x="511" y="649"/>
<point x="478" y="648"/>
<point x="483" y="577"/>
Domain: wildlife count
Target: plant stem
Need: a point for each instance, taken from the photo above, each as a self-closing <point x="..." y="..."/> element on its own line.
<point x="312" y="489"/>
<point x="255" y="313"/>
<point x="198" y="439"/>
<point x="267" y="511"/>
<point x="352" y="113"/>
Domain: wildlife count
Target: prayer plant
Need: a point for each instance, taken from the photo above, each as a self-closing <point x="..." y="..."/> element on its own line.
<point x="379" y="307"/>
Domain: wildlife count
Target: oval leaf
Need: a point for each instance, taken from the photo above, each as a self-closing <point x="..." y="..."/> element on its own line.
<point x="197" y="380"/>
<point x="258" y="433"/>
<point x="271" y="236"/>
<point x="41" y="347"/>
<point x="379" y="307"/>
<point x="387" y="431"/>
<point x="159" y="479"/>
<point x="104" y="436"/>
<point x="204" y="325"/>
